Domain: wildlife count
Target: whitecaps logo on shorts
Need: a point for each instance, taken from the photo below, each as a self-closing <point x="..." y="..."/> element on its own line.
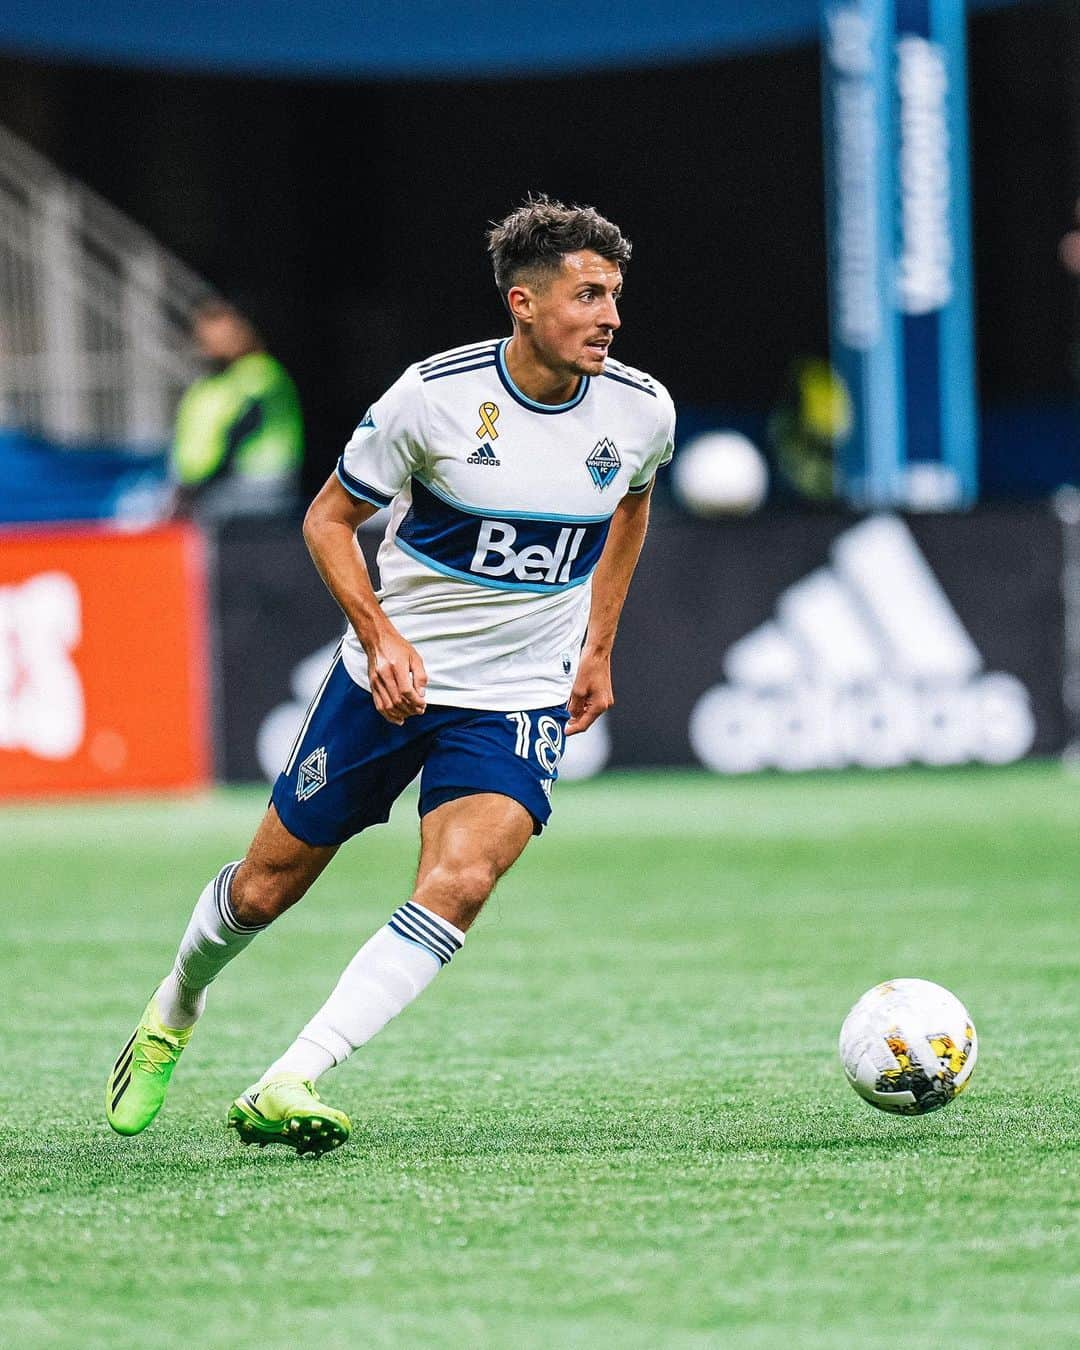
<point x="311" y="776"/>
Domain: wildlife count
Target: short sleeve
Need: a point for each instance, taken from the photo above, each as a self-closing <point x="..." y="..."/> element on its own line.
<point x="662" y="446"/>
<point x="386" y="448"/>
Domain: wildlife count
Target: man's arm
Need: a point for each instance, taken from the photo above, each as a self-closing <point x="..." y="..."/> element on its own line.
<point x="395" y="670"/>
<point x="592" y="693"/>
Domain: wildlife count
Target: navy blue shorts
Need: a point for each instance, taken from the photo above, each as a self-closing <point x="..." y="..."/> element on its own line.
<point x="349" y="765"/>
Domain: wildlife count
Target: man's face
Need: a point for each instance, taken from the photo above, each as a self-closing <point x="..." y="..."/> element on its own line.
<point x="223" y="336"/>
<point x="575" y="313"/>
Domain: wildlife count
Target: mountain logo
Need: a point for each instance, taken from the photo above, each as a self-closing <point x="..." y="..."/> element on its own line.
<point x="603" y="464"/>
<point x="311" y="776"/>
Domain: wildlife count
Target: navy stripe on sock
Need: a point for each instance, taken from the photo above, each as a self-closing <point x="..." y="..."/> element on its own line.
<point x="432" y="923"/>
<point x="407" y="928"/>
<point x="222" y="886"/>
<point x="411" y="922"/>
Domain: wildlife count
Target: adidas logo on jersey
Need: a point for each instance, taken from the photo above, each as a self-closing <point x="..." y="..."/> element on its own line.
<point x="485" y="455"/>
<point x="865" y="662"/>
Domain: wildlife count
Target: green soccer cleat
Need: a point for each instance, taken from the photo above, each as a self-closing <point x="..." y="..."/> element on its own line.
<point x="288" y="1110"/>
<point x="140" y="1077"/>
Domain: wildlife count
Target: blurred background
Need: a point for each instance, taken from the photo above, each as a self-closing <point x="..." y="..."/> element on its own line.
<point x="856" y="262"/>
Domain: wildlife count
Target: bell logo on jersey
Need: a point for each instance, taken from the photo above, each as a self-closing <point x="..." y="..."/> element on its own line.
<point x="603" y="464"/>
<point x="523" y="553"/>
<point x="495" y="555"/>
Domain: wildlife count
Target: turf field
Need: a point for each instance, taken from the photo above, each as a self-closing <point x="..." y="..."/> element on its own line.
<point x="617" y="1120"/>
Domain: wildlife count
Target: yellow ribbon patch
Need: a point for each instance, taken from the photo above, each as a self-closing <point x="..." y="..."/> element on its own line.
<point x="489" y="415"/>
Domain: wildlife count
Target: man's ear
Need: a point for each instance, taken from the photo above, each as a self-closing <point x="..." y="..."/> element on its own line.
<point x="519" y="301"/>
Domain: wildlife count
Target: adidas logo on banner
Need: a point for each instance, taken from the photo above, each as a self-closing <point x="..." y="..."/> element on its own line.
<point x="485" y="455"/>
<point x="866" y="663"/>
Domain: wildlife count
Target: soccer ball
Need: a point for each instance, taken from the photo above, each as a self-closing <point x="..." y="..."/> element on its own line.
<point x="908" y="1046"/>
<point x="721" y="473"/>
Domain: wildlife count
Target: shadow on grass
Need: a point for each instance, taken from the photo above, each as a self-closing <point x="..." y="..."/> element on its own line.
<point x="89" y="1160"/>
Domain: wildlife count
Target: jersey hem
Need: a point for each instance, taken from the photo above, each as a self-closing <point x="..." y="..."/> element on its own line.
<point x="526" y="698"/>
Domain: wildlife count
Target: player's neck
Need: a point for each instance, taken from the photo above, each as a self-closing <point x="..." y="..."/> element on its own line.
<point x="534" y="378"/>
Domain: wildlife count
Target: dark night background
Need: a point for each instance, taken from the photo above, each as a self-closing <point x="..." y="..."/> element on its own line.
<point x="348" y="218"/>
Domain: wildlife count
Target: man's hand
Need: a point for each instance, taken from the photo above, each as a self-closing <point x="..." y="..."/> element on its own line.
<point x="398" y="678"/>
<point x="592" y="693"/>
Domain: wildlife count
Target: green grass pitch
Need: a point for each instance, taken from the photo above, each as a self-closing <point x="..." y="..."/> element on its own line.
<point x="617" y="1120"/>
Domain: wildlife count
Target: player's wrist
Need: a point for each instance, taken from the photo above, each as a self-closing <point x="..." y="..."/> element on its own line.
<point x="374" y="631"/>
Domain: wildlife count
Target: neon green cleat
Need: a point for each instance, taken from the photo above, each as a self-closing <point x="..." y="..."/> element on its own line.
<point x="289" y="1111"/>
<point x="140" y="1077"/>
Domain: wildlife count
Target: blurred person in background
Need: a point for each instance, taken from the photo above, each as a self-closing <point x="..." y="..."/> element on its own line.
<point x="812" y="417"/>
<point x="1069" y="253"/>
<point x="239" y="439"/>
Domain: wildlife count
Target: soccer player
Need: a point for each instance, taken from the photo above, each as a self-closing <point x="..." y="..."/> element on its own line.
<point x="518" y="473"/>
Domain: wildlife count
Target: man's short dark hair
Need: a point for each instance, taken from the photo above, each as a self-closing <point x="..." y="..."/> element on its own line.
<point x="530" y="244"/>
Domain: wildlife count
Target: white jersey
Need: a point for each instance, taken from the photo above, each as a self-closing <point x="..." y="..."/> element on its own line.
<point x="500" y="509"/>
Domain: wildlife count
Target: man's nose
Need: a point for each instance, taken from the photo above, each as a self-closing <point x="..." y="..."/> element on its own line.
<point x="611" y="316"/>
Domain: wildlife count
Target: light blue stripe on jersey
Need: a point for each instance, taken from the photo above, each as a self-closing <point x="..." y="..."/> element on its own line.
<point x="507" y="515"/>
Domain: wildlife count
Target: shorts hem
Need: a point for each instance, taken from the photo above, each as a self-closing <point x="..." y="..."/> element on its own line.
<point x="286" y="820"/>
<point x="442" y="795"/>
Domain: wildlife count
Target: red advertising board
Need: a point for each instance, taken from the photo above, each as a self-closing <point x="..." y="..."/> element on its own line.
<point x="104" y="666"/>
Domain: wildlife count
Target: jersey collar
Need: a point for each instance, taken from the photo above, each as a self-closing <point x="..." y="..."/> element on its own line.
<point x="531" y="403"/>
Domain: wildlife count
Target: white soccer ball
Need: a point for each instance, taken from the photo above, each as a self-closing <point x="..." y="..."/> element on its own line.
<point x="908" y="1046"/>
<point x="721" y="473"/>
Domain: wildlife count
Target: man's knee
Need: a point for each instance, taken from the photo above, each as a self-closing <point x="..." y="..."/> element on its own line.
<point x="457" y="891"/>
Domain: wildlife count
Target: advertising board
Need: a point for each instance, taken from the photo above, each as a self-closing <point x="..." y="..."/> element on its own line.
<point x="782" y="642"/>
<point x="104" y="670"/>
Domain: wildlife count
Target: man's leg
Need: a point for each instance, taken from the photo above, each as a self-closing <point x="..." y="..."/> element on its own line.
<point x="242" y="900"/>
<point x="466" y="845"/>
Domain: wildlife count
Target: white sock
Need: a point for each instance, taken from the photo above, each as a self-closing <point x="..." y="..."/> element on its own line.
<point x="212" y="938"/>
<point x="385" y="975"/>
